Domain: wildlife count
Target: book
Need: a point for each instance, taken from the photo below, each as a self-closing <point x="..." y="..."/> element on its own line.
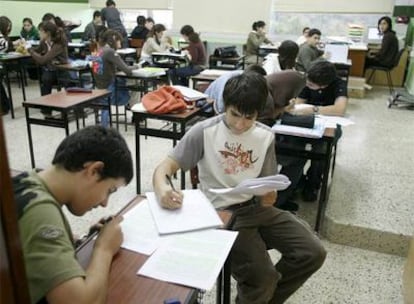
<point x="316" y="132"/>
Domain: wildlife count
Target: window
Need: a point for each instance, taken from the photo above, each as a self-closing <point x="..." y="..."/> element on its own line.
<point x="129" y="17"/>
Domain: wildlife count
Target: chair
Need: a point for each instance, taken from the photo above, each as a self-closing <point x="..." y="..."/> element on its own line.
<point x="137" y="44"/>
<point x="387" y="70"/>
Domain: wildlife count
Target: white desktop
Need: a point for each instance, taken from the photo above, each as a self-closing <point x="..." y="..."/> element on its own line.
<point x="374" y="36"/>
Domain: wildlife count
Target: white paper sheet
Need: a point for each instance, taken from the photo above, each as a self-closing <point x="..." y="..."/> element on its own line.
<point x="140" y="233"/>
<point x="190" y="94"/>
<point x="192" y="259"/>
<point x="258" y="186"/>
<point x="337" y="53"/>
<point x="332" y="121"/>
<point x="196" y="213"/>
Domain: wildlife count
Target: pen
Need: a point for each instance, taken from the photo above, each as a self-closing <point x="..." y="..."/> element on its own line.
<point x="170" y="182"/>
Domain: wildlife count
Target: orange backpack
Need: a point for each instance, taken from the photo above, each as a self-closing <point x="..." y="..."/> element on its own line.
<point x="164" y="100"/>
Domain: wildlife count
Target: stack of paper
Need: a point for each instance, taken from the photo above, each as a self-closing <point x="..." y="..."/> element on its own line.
<point x="190" y="94"/>
<point x="149" y="72"/>
<point x="257" y="186"/>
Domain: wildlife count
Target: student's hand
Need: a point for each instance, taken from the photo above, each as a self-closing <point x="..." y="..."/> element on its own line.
<point x="268" y="199"/>
<point x="110" y="236"/>
<point x="171" y="199"/>
<point x="290" y="106"/>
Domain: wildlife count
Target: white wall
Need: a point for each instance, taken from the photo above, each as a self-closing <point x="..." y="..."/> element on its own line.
<point x="223" y="16"/>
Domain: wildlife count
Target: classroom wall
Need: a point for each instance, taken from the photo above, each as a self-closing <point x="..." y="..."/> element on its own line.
<point x="220" y="15"/>
<point x="17" y="10"/>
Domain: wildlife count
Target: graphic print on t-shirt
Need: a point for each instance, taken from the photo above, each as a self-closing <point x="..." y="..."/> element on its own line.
<point x="235" y="158"/>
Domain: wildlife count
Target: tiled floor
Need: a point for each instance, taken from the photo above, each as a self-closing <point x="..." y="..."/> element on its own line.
<point x="370" y="205"/>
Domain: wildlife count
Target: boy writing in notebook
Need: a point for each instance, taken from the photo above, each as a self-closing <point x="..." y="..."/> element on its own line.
<point x="88" y="167"/>
<point x="228" y="149"/>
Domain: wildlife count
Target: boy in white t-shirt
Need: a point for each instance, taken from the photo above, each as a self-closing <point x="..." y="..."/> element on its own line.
<point x="228" y="149"/>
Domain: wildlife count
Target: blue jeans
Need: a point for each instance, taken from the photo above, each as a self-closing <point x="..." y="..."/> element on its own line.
<point x="121" y="99"/>
<point x="181" y="75"/>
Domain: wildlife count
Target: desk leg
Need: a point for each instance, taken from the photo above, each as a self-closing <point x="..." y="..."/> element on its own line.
<point x="116" y="104"/>
<point x="29" y="133"/>
<point x="137" y="154"/>
<point x="9" y="90"/>
<point x="22" y="74"/>
<point x="324" y="189"/>
<point x="182" y="132"/>
<point x="66" y="121"/>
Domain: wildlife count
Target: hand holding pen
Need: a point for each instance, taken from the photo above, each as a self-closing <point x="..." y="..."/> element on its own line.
<point x="174" y="198"/>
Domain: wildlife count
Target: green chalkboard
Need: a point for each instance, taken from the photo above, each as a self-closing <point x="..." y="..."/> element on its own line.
<point x="66" y="1"/>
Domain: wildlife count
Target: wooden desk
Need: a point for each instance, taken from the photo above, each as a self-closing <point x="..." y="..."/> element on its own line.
<point x="126" y="287"/>
<point x="179" y="124"/>
<point x="7" y="60"/>
<point x="325" y="154"/>
<point x="64" y="103"/>
<point x="230" y="63"/>
<point x="357" y="55"/>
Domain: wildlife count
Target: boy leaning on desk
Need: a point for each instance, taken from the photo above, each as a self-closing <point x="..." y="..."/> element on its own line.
<point x="228" y="149"/>
<point x="325" y="93"/>
<point x="87" y="168"/>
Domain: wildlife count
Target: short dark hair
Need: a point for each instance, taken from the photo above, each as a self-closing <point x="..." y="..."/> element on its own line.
<point x="48" y="17"/>
<point x="27" y="19"/>
<point x="314" y="31"/>
<point x="258" y="24"/>
<point x="288" y="51"/>
<point x="96" y="14"/>
<point x="256" y="68"/>
<point x="305" y="29"/>
<point x="321" y="72"/>
<point x="110" y="2"/>
<point x="149" y="19"/>
<point x="247" y="92"/>
<point x="96" y="143"/>
<point x="141" y="20"/>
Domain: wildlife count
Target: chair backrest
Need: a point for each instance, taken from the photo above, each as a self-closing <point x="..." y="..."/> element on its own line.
<point x="398" y="58"/>
<point x="137" y="44"/>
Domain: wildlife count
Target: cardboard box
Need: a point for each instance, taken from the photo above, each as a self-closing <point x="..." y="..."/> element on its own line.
<point x="356" y="92"/>
<point x="356" y="87"/>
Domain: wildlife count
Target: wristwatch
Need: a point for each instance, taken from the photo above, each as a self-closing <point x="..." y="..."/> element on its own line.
<point x="315" y="109"/>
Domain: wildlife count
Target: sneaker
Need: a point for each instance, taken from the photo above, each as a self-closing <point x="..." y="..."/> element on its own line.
<point x="309" y="194"/>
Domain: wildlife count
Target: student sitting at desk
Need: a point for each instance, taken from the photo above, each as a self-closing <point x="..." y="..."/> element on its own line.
<point x="196" y="53"/>
<point x="88" y="166"/>
<point x="140" y="31"/>
<point x="389" y="46"/>
<point x="228" y="149"/>
<point x="28" y="31"/>
<point x="309" y="51"/>
<point x="256" y="38"/>
<point x="285" y="59"/>
<point x="155" y="42"/>
<point x="51" y="51"/>
<point x="302" y="39"/>
<point x="327" y="93"/>
<point x="89" y="34"/>
<point x="105" y="64"/>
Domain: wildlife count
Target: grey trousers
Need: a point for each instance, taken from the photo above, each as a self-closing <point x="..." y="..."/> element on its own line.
<point x="261" y="228"/>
